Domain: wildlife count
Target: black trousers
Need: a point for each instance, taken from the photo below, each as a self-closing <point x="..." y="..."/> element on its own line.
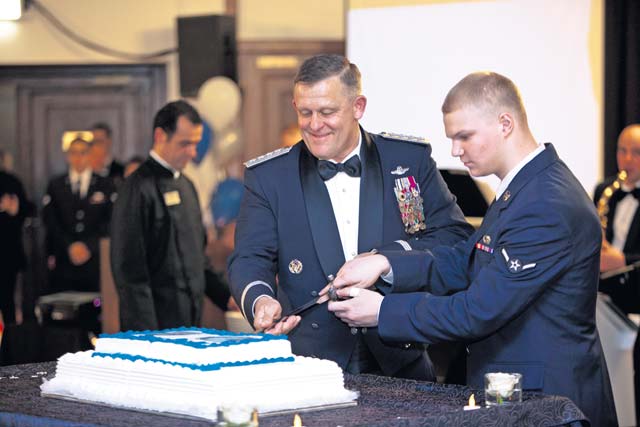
<point x="8" y="278"/>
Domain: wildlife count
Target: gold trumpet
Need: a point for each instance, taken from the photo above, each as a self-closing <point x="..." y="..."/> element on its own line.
<point x="603" y="202"/>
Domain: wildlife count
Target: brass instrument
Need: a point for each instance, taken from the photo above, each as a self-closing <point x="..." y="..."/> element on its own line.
<point x="603" y="202"/>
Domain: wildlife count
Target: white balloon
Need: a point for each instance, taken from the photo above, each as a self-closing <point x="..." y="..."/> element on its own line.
<point x="219" y="102"/>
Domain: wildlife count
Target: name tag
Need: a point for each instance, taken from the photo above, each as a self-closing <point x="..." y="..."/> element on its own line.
<point x="172" y="198"/>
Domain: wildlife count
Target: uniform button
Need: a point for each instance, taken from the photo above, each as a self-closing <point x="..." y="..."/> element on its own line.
<point x="344" y="190"/>
<point x="468" y="351"/>
<point x="353" y="254"/>
<point x="80" y="214"/>
<point x="314" y="293"/>
<point x="354" y="331"/>
<point x="407" y="345"/>
<point x="348" y="222"/>
<point x="79" y="227"/>
<point x="313" y="355"/>
<point x="364" y="330"/>
<point x="314" y="325"/>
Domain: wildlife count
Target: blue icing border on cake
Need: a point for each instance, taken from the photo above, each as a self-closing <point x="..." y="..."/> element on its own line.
<point x="149" y="336"/>
<point x="193" y="366"/>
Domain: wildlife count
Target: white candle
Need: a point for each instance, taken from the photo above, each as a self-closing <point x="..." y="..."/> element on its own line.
<point x="472" y="404"/>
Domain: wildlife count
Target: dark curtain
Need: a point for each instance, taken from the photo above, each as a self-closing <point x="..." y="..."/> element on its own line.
<point x="622" y="73"/>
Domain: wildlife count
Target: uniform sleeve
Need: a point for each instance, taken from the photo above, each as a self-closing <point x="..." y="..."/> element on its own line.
<point x="129" y="258"/>
<point x="253" y="263"/>
<point x="444" y="220"/>
<point x="529" y="257"/>
<point x="440" y="271"/>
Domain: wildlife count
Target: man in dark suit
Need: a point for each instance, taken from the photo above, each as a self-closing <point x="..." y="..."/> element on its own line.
<point x="101" y="156"/>
<point x="621" y="245"/>
<point x="76" y="213"/>
<point x="619" y="211"/>
<point x="157" y="236"/>
<point x="524" y="285"/>
<point x="14" y="208"/>
<point x="304" y="213"/>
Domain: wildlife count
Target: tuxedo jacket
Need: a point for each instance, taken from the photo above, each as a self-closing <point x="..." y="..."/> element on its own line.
<point x="287" y="241"/>
<point x="69" y="218"/>
<point x="631" y="248"/>
<point x="525" y="288"/>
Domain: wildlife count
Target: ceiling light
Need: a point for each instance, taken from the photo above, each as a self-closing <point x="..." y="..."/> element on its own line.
<point x="10" y="10"/>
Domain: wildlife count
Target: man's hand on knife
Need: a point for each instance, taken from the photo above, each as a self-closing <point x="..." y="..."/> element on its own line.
<point x="267" y="318"/>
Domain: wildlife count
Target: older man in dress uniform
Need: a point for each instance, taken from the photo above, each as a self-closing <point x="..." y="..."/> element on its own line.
<point x="339" y="192"/>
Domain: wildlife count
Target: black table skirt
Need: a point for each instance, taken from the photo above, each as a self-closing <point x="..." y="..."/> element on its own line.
<point x="383" y="402"/>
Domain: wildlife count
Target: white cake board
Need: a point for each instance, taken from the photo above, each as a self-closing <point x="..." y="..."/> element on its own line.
<point x="195" y="418"/>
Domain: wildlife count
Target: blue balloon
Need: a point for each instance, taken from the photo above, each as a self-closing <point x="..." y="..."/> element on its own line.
<point x="225" y="203"/>
<point x="205" y="143"/>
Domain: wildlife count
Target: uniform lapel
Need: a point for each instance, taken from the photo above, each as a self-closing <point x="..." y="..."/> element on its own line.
<point x="370" y="227"/>
<point x="322" y="222"/>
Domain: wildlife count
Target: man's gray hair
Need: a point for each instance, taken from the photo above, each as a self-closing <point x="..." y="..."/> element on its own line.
<point x="321" y="67"/>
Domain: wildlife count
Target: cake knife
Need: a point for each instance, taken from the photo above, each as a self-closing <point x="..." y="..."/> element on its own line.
<point x="331" y="295"/>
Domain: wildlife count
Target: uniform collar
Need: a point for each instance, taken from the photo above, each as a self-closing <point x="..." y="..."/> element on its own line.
<point x="513" y="172"/>
<point x="155" y="156"/>
<point x="532" y="168"/>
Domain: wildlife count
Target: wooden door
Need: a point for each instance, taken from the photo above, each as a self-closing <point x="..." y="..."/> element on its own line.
<point x="39" y="103"/>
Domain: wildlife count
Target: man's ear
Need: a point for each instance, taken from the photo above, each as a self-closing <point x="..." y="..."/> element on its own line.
<point x="359" y="105"/>
<point x="159" y="136"/>
<point x="506" y="124"/>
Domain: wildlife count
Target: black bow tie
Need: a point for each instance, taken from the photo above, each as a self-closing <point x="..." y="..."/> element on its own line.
<point x="621" y="194"/>
<point x="328" y="170"/>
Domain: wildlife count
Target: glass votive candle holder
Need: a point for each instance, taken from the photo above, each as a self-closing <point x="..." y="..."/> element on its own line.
<point x="236" y="416"/>
<point x="502" y="388"/>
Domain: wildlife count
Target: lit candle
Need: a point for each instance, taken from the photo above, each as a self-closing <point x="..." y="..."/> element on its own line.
<point x="297" y="421"/>
<point x="472" y="404"/>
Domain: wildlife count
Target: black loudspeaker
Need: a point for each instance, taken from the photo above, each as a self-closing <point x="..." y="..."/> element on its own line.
<point x="207" y="48"/>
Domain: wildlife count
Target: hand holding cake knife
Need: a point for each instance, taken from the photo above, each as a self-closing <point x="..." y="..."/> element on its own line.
<point x="284" y="324"/>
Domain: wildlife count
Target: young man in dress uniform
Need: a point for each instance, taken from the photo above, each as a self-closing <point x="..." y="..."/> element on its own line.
<point x="76" y="213"/>
<point x="157" y="236"/>
<point x="339" y="192"/>
<point x="522" y="290"/>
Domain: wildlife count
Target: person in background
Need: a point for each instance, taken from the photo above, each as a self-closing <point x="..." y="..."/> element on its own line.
<point x="101" y="157"/>
<point x="132" y="165"/>
<point x="521" y="291"/>
<point x="76" y="213"/>
<point x="621" y="243"/>
<point x="338" y="192"/>
<point x="157" y="237"/>
<point x="14" y="208"/>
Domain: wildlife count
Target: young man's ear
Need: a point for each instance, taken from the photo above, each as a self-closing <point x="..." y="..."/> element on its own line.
<point x="506" y="124"/>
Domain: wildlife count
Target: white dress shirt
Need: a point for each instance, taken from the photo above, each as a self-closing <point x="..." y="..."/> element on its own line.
<point x="344" y="192"/>
<point x="513" y="172"/>
<point x="84" y="179"/>
<point x="623" y="217"/>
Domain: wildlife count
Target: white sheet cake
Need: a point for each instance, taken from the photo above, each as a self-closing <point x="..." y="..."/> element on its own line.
<point x="195" y="371"/>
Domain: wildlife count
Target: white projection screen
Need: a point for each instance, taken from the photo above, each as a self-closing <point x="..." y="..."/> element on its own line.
<point x="410" y="56"/>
